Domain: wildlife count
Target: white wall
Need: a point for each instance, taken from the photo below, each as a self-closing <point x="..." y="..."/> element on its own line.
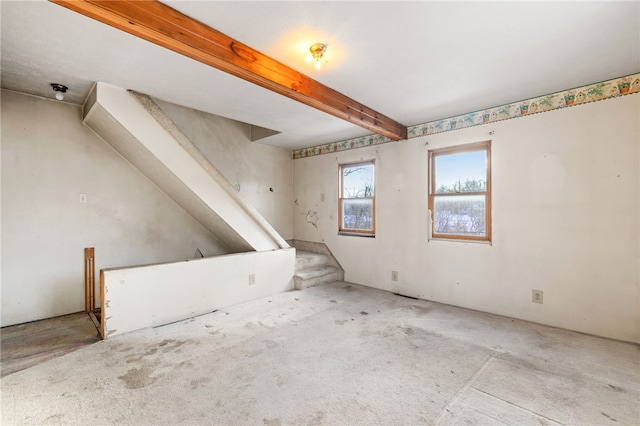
<point x="153" y="295"/>
<point x="250" y="166"/>
<point x="566" y="215"/>
<point x="48" y="158"/>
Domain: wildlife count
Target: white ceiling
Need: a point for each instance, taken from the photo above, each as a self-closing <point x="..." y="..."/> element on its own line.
<point x="412" y="61"/>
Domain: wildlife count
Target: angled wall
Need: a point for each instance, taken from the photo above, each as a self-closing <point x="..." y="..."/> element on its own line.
<point x="261" y="174"/>
<point x="48" y="158"/>
<point x="137" y="128"/>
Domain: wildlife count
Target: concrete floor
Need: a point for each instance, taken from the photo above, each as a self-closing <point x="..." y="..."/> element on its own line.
<point x="335" y="354"/>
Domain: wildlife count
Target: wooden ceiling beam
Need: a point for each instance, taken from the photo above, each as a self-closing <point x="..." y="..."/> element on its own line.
<point x="160" y="24"/>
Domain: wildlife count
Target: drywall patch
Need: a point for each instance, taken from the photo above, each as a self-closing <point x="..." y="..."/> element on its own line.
<point x="312" y="218"/>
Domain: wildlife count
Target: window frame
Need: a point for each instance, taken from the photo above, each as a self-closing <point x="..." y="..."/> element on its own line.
<point x="349" y="231"/>
<point x="460" y="149"/>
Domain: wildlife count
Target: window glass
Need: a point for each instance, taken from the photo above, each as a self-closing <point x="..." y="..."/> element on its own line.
<point x="463" y="215"/>
<point x="357" y="181"/>
<point x="460" y="192"/>
<point x="464" y="172"/>
<point x="357" y="198"/>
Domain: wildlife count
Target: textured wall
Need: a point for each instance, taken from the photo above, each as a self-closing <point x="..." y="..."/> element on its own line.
<point x="48" y="158"/>
<point x="262" y="174"/>
<point x="566" y="191"/>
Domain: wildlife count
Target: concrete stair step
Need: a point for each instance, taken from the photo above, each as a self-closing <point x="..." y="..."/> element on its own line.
<point x="315" y="272"/>
<point x="315" y="276"/>
<point x="308" y="260"/>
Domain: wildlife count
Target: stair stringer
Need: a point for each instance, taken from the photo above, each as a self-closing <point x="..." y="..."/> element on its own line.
<point x="140" y="131"/>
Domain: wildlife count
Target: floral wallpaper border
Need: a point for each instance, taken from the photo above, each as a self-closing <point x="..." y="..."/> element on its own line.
<point x="577" y="96"/>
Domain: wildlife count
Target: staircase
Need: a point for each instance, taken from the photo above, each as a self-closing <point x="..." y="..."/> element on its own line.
<point x="314" y="269"/>
<point x="135" y="126"/>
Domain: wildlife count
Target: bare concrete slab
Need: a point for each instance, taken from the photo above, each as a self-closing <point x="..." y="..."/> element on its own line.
<point x="336" y="354"/>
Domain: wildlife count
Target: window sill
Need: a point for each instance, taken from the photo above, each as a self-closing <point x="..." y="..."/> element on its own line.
<point x="355" y="234"/>
<point x="456" y="240"/>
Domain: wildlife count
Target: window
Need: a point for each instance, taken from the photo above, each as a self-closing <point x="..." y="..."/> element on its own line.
<point x="356" y="200"/>
<point x="460" y="192"/>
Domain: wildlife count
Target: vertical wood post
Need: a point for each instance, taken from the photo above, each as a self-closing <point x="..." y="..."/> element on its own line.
<point x="103" y="306"/>
<point x="89" y="279"/>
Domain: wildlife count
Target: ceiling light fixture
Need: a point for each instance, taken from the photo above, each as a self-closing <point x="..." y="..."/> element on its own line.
<point x="60" y="90"/>
<point x="317" y="53"/>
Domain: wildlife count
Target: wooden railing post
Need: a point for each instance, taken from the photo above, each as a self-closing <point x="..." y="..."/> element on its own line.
<point x="89" y="279"/>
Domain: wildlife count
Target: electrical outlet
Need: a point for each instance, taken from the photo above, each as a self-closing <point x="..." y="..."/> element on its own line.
<point x="537" y="296"/>
<point x="82" y="198"/>
<point x="394" y="275"/>
<point x="252" y="279"/>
